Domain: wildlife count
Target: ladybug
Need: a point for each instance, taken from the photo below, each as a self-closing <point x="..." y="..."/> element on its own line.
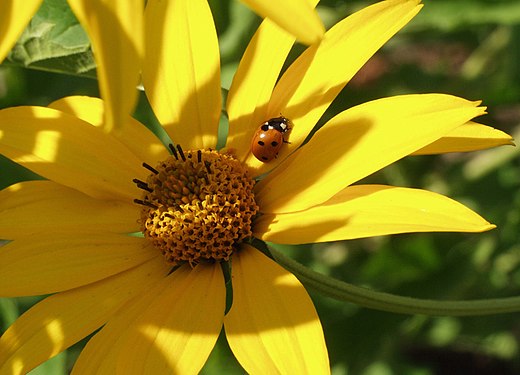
<point x="268" y="139"/>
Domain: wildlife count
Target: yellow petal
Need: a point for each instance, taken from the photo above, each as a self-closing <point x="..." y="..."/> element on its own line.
<point x="295" y="16"/>
<point x="253" y="84"/>
<point x="55" y="263"/>
<point x="312" y="82"/>
<point x="176" y="332"/>
<point x="68" y="150"/>
<point x="468" y="137"/>
<point x="272" y="326"/>
<point x="59" y="321"/>
<point x="14" y="17"/>
<point x="134" y="135"/>
<point x="100" y="349"/>
<point x="35" y="207"/>
<point x="115" y="29"/>
<point x="370" y="210"/>
<point x="100" y="355"/>
<point x="181" y="72"/>
<point x="101" y="352"/>
<point x="358" y="142"/>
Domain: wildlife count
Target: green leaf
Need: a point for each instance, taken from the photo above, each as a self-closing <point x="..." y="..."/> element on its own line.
<point x="54" y="41"/>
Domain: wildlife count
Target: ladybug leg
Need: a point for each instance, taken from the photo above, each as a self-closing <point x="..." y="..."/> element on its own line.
<point x="284" y="141"/>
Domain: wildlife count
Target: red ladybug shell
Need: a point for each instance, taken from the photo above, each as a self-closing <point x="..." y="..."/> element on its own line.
<point x="268" y="139"/>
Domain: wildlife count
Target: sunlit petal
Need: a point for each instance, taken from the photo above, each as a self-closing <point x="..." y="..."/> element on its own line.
<point x="358" y="142"/>
<point x="296" y="16"/>
<point x="272" y="326"/>
<point x="312" y="82"/>
<point x="102" y="351"/>
<point x="177" y="339"/>
<point x="34" y="207"/>
<point x="134" y="135"/>
<point x="370" y="210"/>
<point x="115" y="29"/>
<point x="100" y="354"/>
<point x="468" y="137"/>
<point x="181" y="72"/>
<point x="55" y="263"/>
<point x="253" y="84"/>
<point x="59" y="321"/>
<point x="14" y="17"/>
<point x="68" y="150"/>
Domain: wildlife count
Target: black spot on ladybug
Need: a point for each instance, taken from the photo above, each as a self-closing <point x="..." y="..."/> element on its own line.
<point x="274" y="143"/>
<point x="261" y="143"/>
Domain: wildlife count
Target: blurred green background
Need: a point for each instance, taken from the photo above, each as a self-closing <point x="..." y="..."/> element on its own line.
<point x="469" y="48"/>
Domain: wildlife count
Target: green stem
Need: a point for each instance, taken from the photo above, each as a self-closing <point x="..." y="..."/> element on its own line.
<point x="390" y="302"/>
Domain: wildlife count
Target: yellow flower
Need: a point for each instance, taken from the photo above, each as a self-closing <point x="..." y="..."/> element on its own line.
<point x="158" y="300"/>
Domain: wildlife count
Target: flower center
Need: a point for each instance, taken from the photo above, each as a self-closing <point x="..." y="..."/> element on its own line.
<point x="197" y="206"/>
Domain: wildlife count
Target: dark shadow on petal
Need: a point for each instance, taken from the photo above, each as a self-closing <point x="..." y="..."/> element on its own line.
<point x="298" y="233"/>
